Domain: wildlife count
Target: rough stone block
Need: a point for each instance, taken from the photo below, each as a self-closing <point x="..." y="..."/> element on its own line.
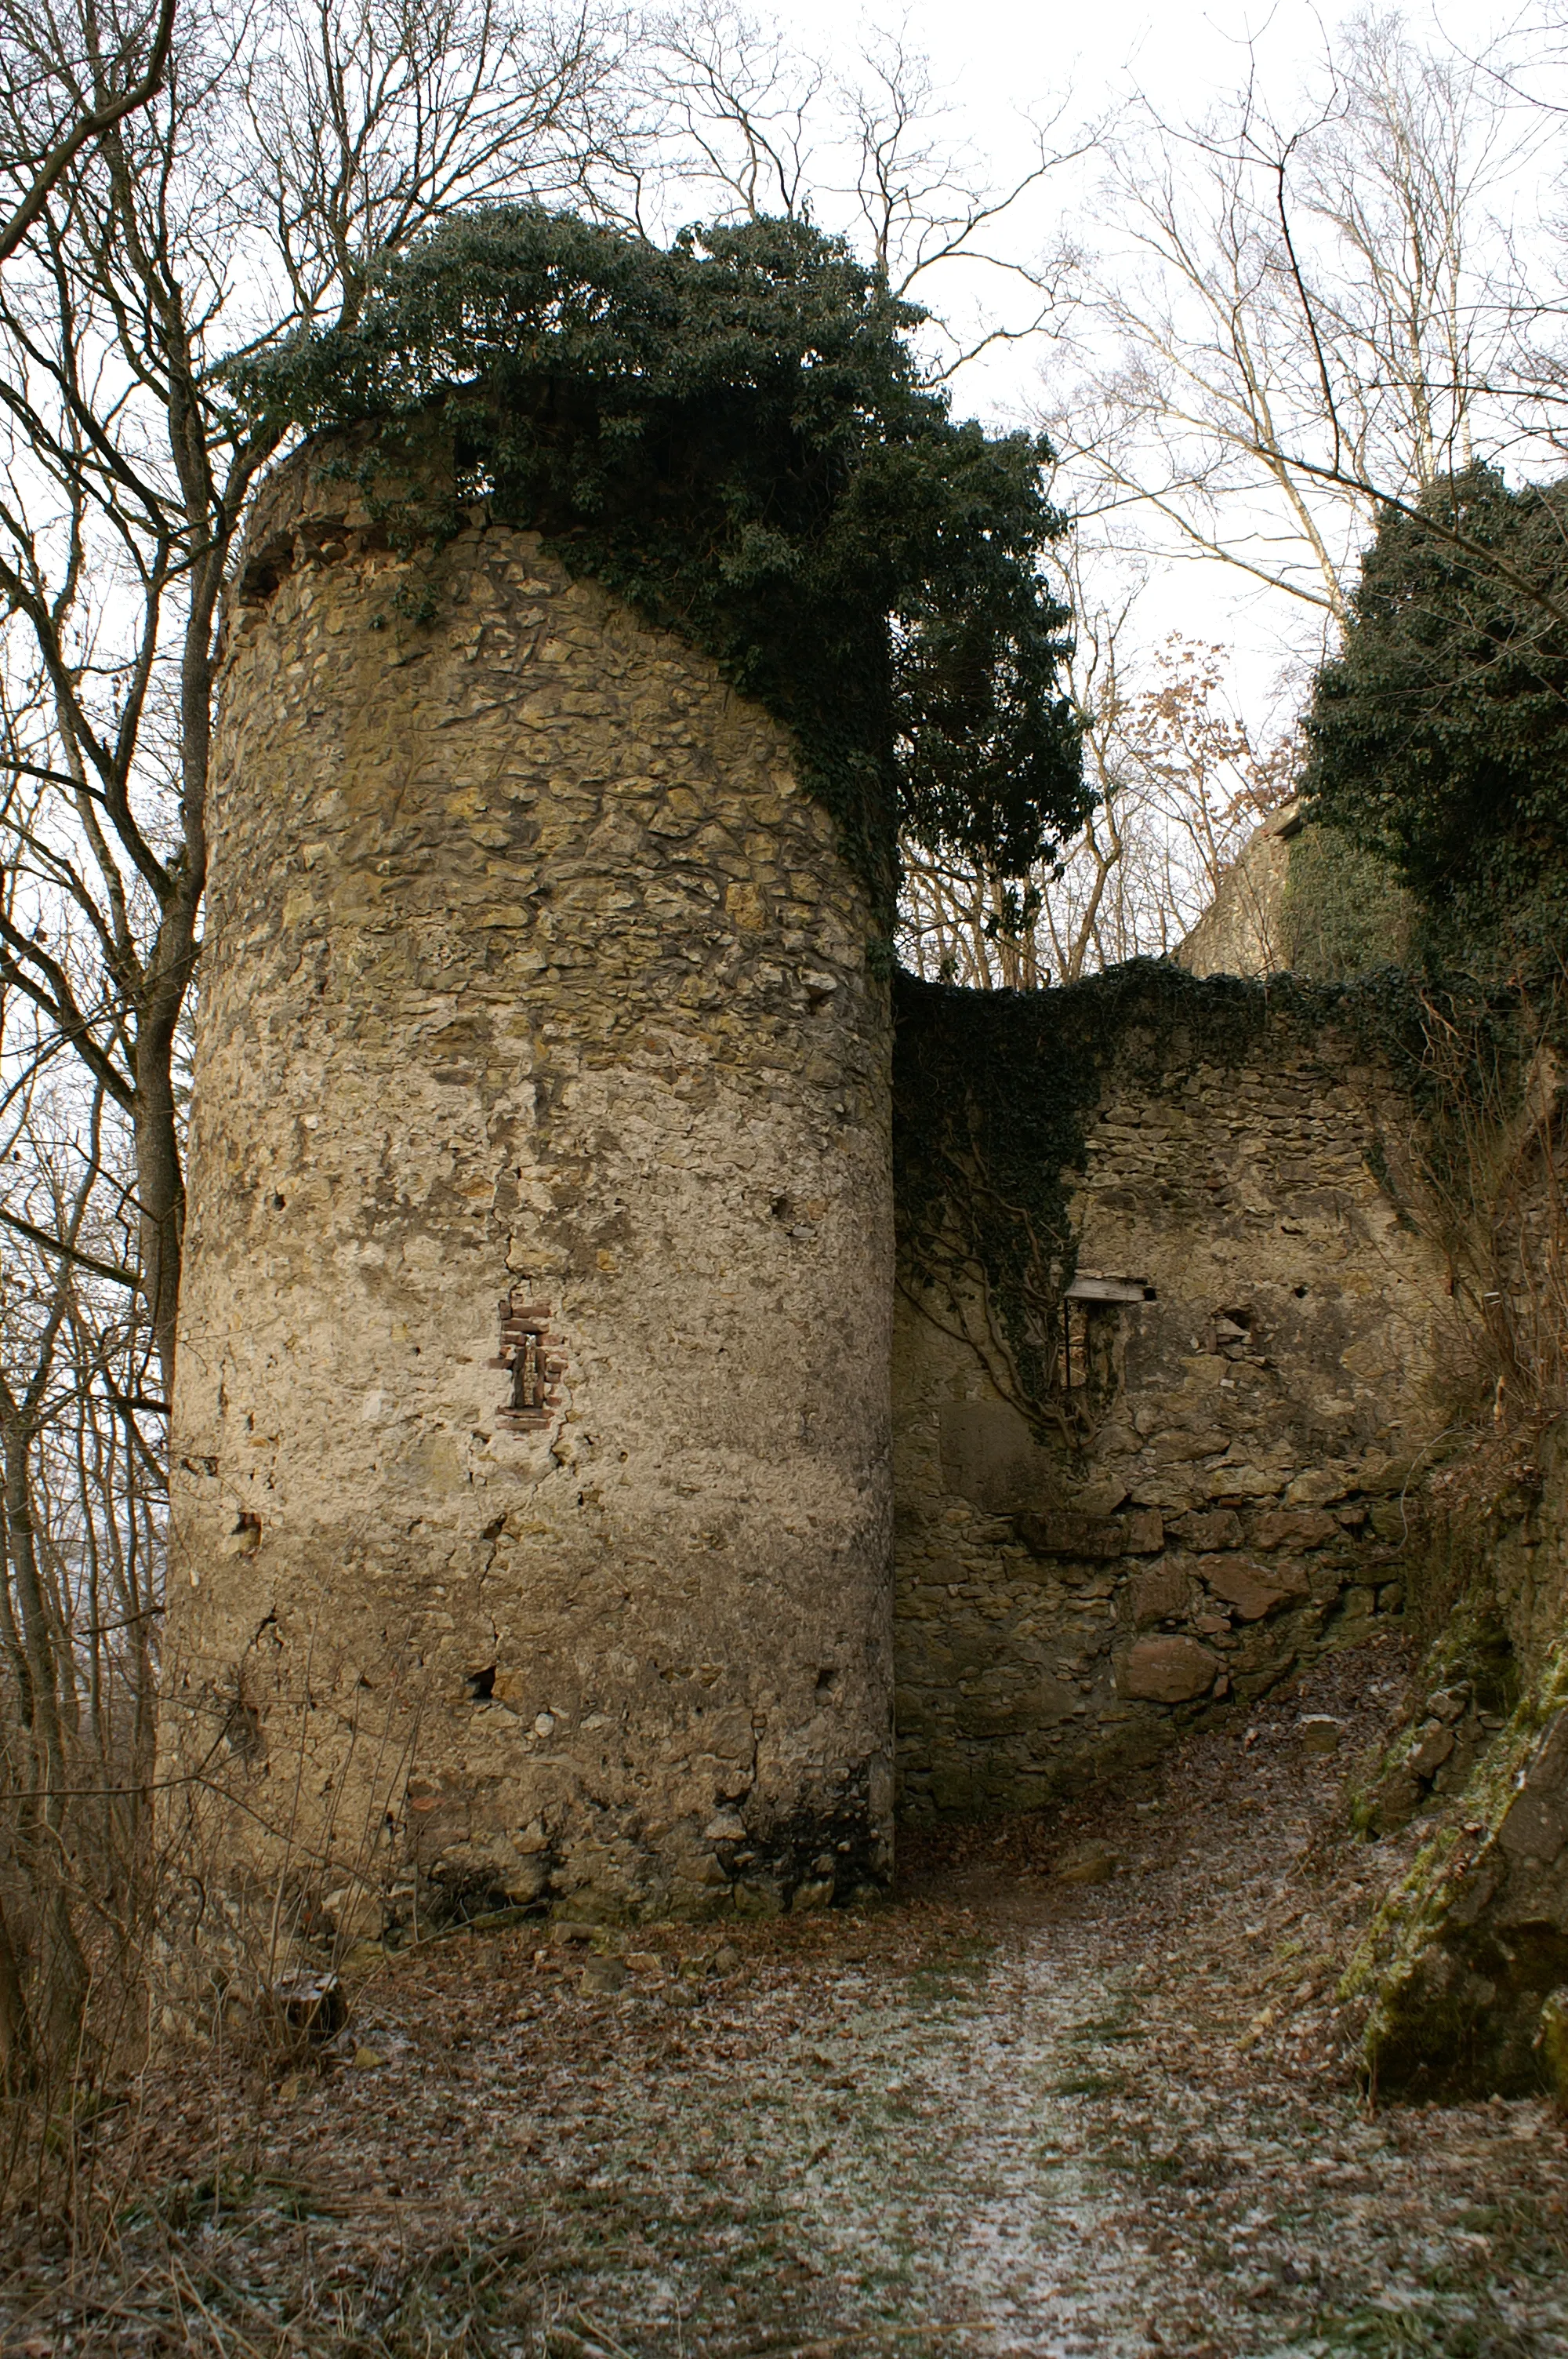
<point x="1435" y="1744"/>
<point x="1246" y="1588"/>
<point x="1178" y="1449"/>
<point x="1214" y="1527"/>
<point x="1384" y="1478"/>
<point x="1159" y="1595"/>
<point x="1101" y="1498"/>
<point x="1535" y="1826"/>
<point x="1091" y="1538"/>
<point x="1320" y="1486"/>
<point x="1301" y="1528"/>
<point x="1243" y="1481"/>
<point x="1167" y="1671"/>
<point x="1143" y="1532"/>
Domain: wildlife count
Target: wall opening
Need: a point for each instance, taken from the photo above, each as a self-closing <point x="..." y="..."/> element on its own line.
<point x="1089" y="1364"/>
<point x="529" y="1354"/>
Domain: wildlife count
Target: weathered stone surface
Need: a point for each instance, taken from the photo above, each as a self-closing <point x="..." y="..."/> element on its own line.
<point x="1306" y="1527"/>
<point x="1160" y="1595"/>
<point x="533" y="979"/>
<point x="1319" y="1485"/>
<point x="1436" y="1745"/>
<point x="1180" y="1448"/>
<point x="1214" y="1528"/>
<point x="1468" y="1956"/>
<point x="1534" y="1827"/>
<point x="1387" y="1478"/>
<point x="1062" y="1533"/>
<point x="1247" y="1588"/>
<point x="1471" y="1947"/>
<point x="1168" y="1671"/>
<point x="1239" y="1480"/>
<point x="1242" y="931"/>
<point x="1243" y="1191"/>
<point x="990" y="1457"/>
<point x="1103" y="1498"/>
<point x="533" y="975"/>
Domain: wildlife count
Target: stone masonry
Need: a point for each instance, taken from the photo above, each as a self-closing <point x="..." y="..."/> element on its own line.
<point x="1247" y="1415"/>
<point x="541" y="1402"/>
<point x="1242" y="931"/>
<point x="531" y="1522"/>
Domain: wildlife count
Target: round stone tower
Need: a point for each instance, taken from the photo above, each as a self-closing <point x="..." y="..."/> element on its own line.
<point x="531" y="1522"/>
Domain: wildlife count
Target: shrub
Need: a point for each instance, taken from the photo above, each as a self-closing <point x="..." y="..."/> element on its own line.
<point x="732" y="434"/>
<point x="1438" y="738"/>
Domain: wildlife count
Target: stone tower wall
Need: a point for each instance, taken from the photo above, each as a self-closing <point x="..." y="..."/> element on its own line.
<point x="1243" y="929"/>
<point x="1246" y="1497"/>
<point x="536" y="1024"/>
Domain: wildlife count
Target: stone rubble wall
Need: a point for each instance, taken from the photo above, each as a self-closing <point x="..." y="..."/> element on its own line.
<point x="1464" y="1970"/>
<point x="536" y="1014"/>
<point x="1246" y="1497"/>
<point x="1242" y="930"/>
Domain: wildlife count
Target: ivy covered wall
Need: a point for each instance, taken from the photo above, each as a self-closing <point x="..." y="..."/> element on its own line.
<point x="1165" y="1355"/>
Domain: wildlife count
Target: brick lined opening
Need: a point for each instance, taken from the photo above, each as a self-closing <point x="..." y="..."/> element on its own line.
<point x="532" y="1355"/>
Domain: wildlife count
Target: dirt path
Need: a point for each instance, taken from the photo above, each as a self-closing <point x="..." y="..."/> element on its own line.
<point x="1012" y="2114"/>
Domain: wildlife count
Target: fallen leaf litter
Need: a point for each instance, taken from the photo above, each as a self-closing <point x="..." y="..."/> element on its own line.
<point x="1085" y="2088"/>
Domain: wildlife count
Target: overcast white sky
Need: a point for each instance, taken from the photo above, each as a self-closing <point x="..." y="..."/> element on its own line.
<point x="999" y="58"/>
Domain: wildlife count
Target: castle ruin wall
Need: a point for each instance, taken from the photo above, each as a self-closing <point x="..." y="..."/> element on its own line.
<point x="1240" y="1491"/>
<point x="531" y="1521"/>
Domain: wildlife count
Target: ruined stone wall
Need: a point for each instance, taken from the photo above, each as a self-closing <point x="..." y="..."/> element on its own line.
<point x="1464" y="1969"/>
<point x="531" y="1521"/>
<point x="1240" y="1498"/>
<point x="1242" y="930"/>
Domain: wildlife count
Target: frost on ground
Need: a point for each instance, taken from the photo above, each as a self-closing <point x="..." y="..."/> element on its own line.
<point x="1085" y="2088"/>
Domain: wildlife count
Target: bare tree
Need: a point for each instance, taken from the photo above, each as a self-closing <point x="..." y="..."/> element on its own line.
<point x="747" y="126"/>
<point x="285" y="152"/>
<point x="1297" y="320"/>
<point x="365" y="123"/>
<point x="279" y="164"/>
<point x="101" y="92"/>
<point x="81" y="1505"/>
<point x="1180" y="786"/>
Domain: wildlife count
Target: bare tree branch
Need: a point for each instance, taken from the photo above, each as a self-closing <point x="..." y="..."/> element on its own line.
<point x="91" y="124"/>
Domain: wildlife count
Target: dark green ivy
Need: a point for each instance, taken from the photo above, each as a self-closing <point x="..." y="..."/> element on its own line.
<point x="1439" y="736"/>
<point x="732" y="433"/>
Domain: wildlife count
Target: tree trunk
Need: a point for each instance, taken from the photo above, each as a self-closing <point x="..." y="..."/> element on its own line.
<point x="43" y="1804"/>
<point x="15" y="2030"/>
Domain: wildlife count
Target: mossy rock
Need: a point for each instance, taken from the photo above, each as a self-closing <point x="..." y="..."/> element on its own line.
<point x="1552" y="2043"/>
<point x="1463" y="1959"/>
<point x="1470" y="1670"/>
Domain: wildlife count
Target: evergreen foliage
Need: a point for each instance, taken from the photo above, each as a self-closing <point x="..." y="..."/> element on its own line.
<point x="732" y="435"/>
<point x="1343" y="911"/>
<point x="1439" y="736"/>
